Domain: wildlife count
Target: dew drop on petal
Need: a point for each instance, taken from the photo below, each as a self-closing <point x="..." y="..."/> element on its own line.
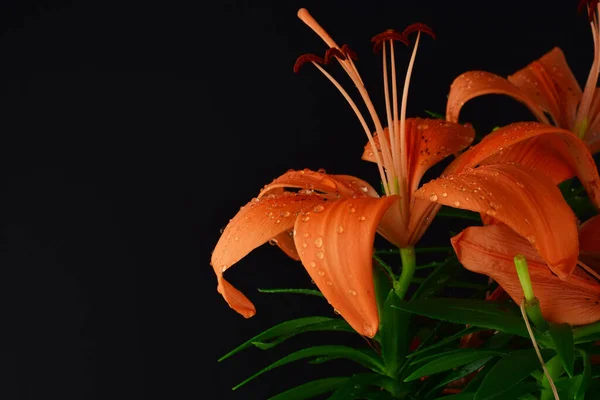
<point x="491" y="212"/>
<point x="456" y="203"/>
<point x="305" y="218"/>
<point x="285" y="214"/>
<point x="320" y="255"/>
<point x="329" y="283"/>
<point x="352" y="210"/>
<point x="321" y="272"/>
<point x="236" y="238"/>
<point x="304" y="245"/>
<point x="340" y="229"/>
<point x="444" y="194"/>
<point x="313" y="264"/>
<point x="305" y="234"/>
<point x="433" y="197"/>
<point x="362" y="218"/>
<point x="352" y="292"/>
<point x="318" y="208"/>
<point x="319" y="242"/>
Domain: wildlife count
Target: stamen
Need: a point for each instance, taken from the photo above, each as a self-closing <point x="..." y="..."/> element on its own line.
<point x="591" y="7"/>
<point x="333" y="52"/>
<point x="590" y="85"/>
<point x="404" y="159"/>
<point x="304" y="58"/>
<point x="382" y="173"/>
<point x="348" y="52"/>
<point x="389" y="34"/>
<point x="589" y="270"/>
<point x="418" y="27"/>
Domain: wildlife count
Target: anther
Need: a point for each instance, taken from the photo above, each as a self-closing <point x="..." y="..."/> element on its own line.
<point x="388" y="34"/>
<point x="333" y="52"/>
<point x="304" y="58"/>
<point x="419" y="27"/>
<point x="591" y="7"/>
<point x="348" y="52"/>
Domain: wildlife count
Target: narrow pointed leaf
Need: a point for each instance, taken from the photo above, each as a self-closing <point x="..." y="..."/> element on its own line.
<point x="445" y="341"/>
<point x="437" y="279"/>
<point x="335" y="325"/>
<point x="586" y="376"/>
<point x="311" y="389"/>
<point x="562" y="337"/>
<point x="509" y="371"/>
<point x="450" y="360"/>
<point x="361" y="384"/>
<point x="482" y="313"/>
<point x="310" y="292"/>
<point x="284" y="329"/>
<point x="368" y="359"/>
<point x="459" y="373"/>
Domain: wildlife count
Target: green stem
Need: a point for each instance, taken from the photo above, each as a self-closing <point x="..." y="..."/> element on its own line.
<point x="532" y="304"/>
<point x="586" y="330"/>
<point x="409" y="264"/>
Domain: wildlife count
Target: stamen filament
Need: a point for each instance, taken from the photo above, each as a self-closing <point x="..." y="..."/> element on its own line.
<point x="404" y="159"/>
<point x="590" y="86"/>
<point x="589" y="270"/>
<point x="396" y="130"/>
<point x="382" y="173"/>
<point x="388" y="110"/>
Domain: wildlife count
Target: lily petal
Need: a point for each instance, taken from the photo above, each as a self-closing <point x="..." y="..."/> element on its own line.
<point x="314" y="180"/>
<point x="428" y="141"/>
<point x="473" y="84"/>
<point x="551" y="84"/>
<point x="257" y="222"/>
<point x="589" y="243"/>
<point x="574" y="153"/>
<point x="490" y="250"/>
<point x="526" y="201"/>
<point x="335" y="246"/>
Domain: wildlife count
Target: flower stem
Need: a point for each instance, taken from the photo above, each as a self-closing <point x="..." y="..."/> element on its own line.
<point x="532" y="304"/>
<point x="409" y="264"/>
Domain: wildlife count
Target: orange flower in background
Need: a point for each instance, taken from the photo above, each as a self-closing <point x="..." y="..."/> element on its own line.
<point x="329" y="221"/>
<point x="490" y="250"/>
<point x="546" y="86"/>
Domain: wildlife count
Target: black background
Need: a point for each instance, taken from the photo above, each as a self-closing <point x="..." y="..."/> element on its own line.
<point x="132" y="131"/>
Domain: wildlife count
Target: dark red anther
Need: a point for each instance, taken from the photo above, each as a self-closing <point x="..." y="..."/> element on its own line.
<point x="348" y="52"/>
<point x="388" y="34"/>
<point x="304" y="58"/>
<point x="418" y="27"/>
<point x="333" y="52"/>
<point x="591" y="5"/>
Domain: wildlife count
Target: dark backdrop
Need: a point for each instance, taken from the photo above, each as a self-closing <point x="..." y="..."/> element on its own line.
<point x="132" y="131"/>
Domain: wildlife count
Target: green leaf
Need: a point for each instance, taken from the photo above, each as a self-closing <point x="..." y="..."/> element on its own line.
<point x="586" y="377"/>
<point x="509" y="371"/>
<point x="433" y="114"/>
<point x="366" y="358"/>
<point x="562" y="337"/>
<point x="446" y="340"/>
<point x="446" y="361"/>
<point x="285" y="329"/>
<point x="437" y="279"/>
<point x="482" y="313"/>
<point x="310" y="292"/>
<point x="311" y="389"/>
<point x="394" y="334"/>
<point x="336" y="325"/>
<point x="450" y="212"/>
<point x="361" y="384"/>
<point x="458" y="374"/>
<point x="458" y="396"/>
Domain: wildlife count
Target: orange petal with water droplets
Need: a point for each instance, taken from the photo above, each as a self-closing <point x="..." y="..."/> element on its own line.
<point x="490" y="250"/>
<point x="428" y="141"/>
<point x="473" y="84"/>
<point x="335" y="247"/>
<point x="285" y="242"/>
<point x="573" y="151"/>
<point x="526" y="201"/>
<point x="550" y="83"/>
<point x="313" y="180"/>
<point x="257" y="222"/>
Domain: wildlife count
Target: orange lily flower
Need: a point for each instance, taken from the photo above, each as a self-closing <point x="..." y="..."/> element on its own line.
<point x="547" y="87"/>
<point x="328" y="222"/>
<point x="490" y="250"/>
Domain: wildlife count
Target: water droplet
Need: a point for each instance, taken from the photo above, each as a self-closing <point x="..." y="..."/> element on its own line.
<point x="320" y="255"/>
<point x="329" y="283"/>
<point x="304" y="245"/>
<point x="520" y="184"/>
<point x="305" y="234"/>
<point x="352" y="292"/>
<point x="531" y="239"/>
<point x="433" y="197"/>
<point x="352" y="210"/>
<point x="319" y="242"/>
<point x="318" y="208"/>
<point x="340" y="229"/>
<point x="236" y="238"/>
<point x="278" y="221"/>
<point x="364" y="189"/>
<point x="362" y="218"/>
<point x="321" y="272"/>
<point x="285" y="214"/>
<point x="336" y="312"/>
<point x="456" y="203"/>
<point x="273" y="242"/>
<point x="491" y="212"/>
<point x="444" y="194"/>
<point x="313" y="264"/>
<point x="305" y="218"/>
